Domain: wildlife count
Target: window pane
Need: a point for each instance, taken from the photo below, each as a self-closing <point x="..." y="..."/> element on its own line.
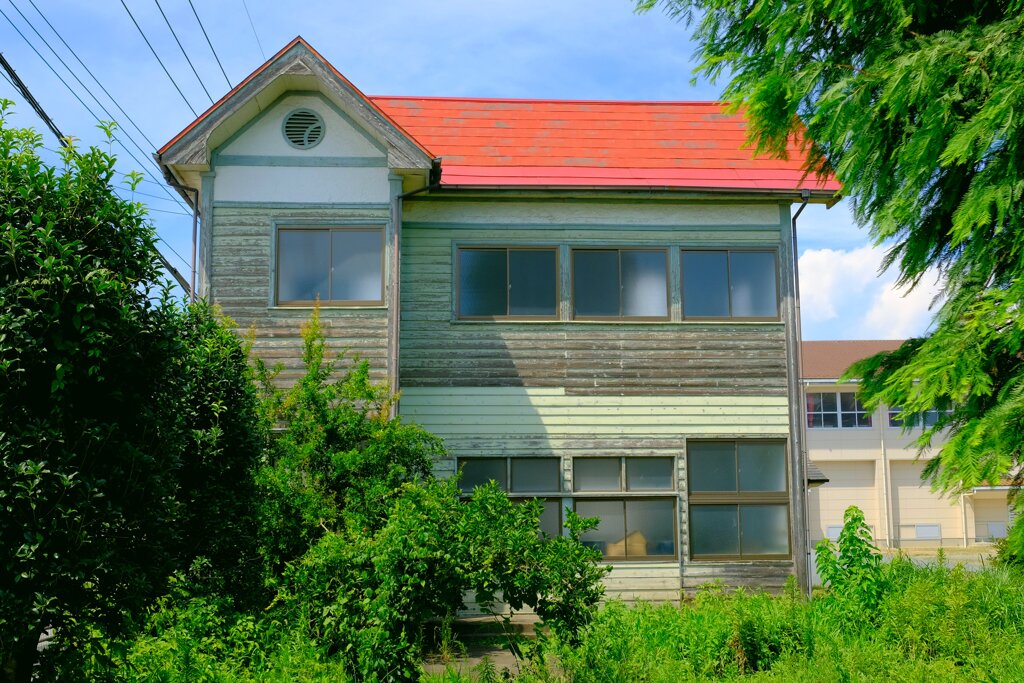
<point x="610" y="536"/>
<point x="814" y="403"/>
<point x="551" y="518"/>
<point x="483" y="282"/>
<point x="596" y="474"/>
<point x="765" y="529"/>
<point x="303" y="264"/>
<point x="532" y="287"/>
<point x="711" y="467"/>
<point x="714" y="530"/>
<point x="644" y="284"/>
<point x="752" y="275"/>
<point x="828" y="402"/>
<point x="650" y="528"/>
<point x="705" y="284"/>
<point x="479" y="471"/>
<point x="829" y="420"/>
<point x="356" y="273"/>
<point x="535" y="474"/>
<point x="649" y="474"/>
<point x="762" y="466"/>
<point x="595" y="283"/>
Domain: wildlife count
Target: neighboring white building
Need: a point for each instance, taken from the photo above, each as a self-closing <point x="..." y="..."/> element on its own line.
<point x="871" y="462"/>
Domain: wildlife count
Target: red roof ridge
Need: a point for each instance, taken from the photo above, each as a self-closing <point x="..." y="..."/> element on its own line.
<point x="545" y="100"/>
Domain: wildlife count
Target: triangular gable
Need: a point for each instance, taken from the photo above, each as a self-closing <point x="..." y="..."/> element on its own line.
<point x="296" y="66"/>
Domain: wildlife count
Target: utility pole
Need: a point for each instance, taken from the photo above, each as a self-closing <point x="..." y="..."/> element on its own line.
<point x="38" y="108"/>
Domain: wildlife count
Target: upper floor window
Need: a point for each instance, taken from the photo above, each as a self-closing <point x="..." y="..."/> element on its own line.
<point x="335" y="265"/>
<point x="507" y="282"/>
<point x="927" y="419"/>
<point x="620" y="283"/>
<point x="836" y="409"/>
<point x="730" y="284"/>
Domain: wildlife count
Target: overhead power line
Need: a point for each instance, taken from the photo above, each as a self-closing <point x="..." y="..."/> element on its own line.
<point x="253" y="26"/>
<point x="27" y="94"/>
<point x="20" y="86"/>
<point x="173" y="82"/>
<point x="215" y="56"/>
<point x="92" y="75"/>
<point x="110" y="116"/>
<point x="180" y="47"/>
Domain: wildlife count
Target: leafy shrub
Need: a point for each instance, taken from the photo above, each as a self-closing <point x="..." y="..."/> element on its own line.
<point x="853" y="570"/>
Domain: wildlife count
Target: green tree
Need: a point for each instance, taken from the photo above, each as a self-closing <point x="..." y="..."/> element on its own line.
<point x="127" y="425"/>
<point x="916" y="107"/>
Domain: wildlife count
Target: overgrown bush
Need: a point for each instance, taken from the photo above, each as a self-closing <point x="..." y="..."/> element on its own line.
<point x="852" y="567"/>
<point x="128" y="425"/>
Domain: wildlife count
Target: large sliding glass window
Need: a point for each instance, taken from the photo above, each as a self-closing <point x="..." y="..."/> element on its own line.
<point x="730" y="284"/>
<point x="739" y="500"/>
<point x="523" y="479"/>
<point x="628" y="495"/>
<point x="620" y="283"/>
<point x="507" y="283"/>
<point x="332" y="265"/>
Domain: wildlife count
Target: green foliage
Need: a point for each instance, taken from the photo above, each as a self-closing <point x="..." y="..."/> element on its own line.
<point x="853" y="570"/>
<point x="365" y="547"/>
<point x="932" y="623"/>
<point x="128" y="426"/>
<point x="916" y="107"/>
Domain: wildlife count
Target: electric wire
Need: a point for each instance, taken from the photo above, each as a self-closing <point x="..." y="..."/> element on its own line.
<point x="208" y="42"/>
<point x="181" y="47"/>
<point x="173" y="82"/>
<point x="93" y="76"/>
<point x="84" y="87"/>
<point x="175" y="252"/>
<point x="253" y="26"/>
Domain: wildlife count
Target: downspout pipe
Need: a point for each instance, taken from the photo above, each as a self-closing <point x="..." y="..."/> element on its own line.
<point x="394" y="307"/>
<point x="185" y="190"/>
<point x="801" y="433"/>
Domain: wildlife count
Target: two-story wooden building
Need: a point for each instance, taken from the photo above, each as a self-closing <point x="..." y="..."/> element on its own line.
<point x="591" y="302"/>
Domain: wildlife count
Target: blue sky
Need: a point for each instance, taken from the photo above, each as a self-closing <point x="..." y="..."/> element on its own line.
<point x="574" y="49"/>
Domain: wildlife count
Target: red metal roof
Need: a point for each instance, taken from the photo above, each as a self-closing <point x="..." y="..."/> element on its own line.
<point x="594" y="143"/>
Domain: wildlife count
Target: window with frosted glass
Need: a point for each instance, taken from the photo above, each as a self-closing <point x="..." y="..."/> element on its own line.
<point x="649" y="474"/>
<point x="620" y="283"/>
<point x="506" y="282"/>
<point x="597" y="474"/>
<point x="729" y="284"/>
<point x="739" y="501"/>
<point x="330" y="265"/>
<point x="479" y="471"/>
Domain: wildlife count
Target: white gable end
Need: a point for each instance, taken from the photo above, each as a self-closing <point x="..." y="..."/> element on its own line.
<point x="265" y="137"/>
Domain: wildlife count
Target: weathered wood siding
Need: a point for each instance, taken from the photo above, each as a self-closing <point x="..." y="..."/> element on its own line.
<point x="571" y="388"/>
<point x="240" y="272"/>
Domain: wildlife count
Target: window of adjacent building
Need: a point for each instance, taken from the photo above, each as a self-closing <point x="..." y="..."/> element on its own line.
<point x="507" y="282"/>
<point x="335" y="265"/>
<point x="739" y="500"/>
<point x="928" y="418"/>
<point x="523" y="479"/>
<point x="832" y="409"/>
<point x="633" y="527"/>
<point x="620" y="283"/>
<point x="730" y="284"/>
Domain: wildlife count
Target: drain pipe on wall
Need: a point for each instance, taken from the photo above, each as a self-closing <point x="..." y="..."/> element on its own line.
<point x="801" y="435"/>
<point x="184" y="189"/>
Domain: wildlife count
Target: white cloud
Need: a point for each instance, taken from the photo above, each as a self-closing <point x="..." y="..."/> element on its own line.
<point x="843" y="296"/>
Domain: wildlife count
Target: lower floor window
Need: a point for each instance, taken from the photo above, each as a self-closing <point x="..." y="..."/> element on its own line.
<point x="523" y="479"/>
<point x="631" y="528"/>
<point x="744" y="531"/>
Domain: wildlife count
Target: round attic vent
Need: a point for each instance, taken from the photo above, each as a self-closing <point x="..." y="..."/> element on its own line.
<point x="303" y="128"/>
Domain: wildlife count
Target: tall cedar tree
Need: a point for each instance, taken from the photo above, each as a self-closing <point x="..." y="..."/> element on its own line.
<point x="916" y="106"/>
<point x="129" y="427"/>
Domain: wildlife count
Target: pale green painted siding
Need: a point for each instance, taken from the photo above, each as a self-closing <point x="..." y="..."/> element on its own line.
<point x="240" y="272"/>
